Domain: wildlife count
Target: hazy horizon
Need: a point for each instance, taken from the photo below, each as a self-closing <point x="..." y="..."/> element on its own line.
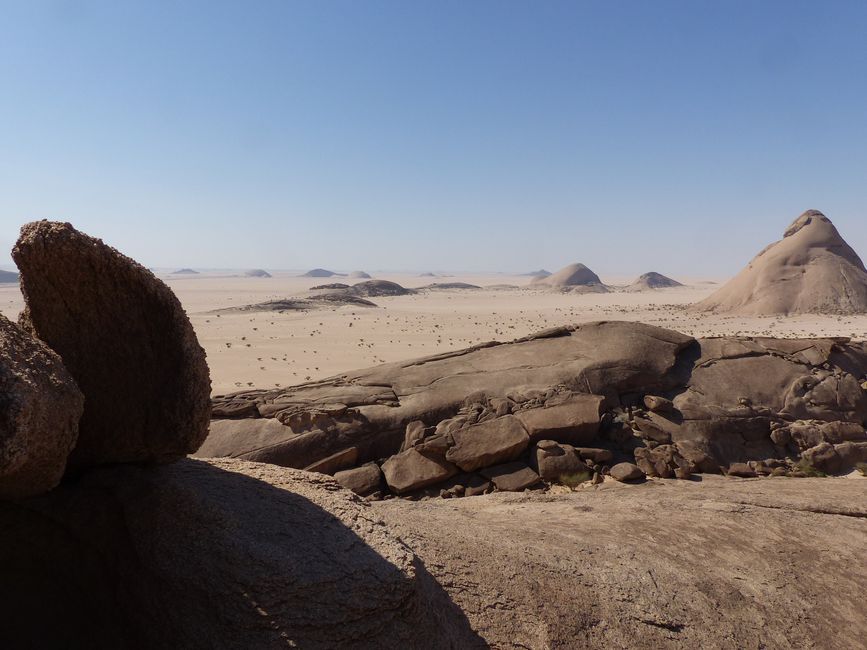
<point x="483" y="137"/>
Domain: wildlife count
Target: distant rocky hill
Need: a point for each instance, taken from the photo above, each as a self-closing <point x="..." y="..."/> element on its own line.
<point x="652" y="280"/>
<point x="320" y="273"/>
<point x="811" y="270"/>
<point x="574" y="277"/>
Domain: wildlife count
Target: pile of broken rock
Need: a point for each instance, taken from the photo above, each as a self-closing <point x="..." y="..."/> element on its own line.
<point x="569" y="404"/>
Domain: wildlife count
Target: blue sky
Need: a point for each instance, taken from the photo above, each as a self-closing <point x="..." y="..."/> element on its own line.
<point x="675" y="136"/>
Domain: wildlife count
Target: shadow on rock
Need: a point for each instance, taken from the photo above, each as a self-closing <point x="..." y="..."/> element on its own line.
<point x="214" y="554"/>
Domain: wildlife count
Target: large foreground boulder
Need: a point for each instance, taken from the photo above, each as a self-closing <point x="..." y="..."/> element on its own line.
<point x="126" y="340"/>
<point x="40" y="407"/>
<point x="213" y="555"/>
<point x="672" y="404"/>
<point x="564" y="373"/>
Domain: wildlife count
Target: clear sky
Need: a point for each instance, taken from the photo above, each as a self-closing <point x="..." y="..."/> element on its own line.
<point x="469" y="135"/>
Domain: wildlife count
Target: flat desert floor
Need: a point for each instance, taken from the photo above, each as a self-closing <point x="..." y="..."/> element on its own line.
<point x="268" y="349"/>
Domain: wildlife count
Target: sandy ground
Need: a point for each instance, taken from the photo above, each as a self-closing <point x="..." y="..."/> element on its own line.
<point x="264" y="350"/>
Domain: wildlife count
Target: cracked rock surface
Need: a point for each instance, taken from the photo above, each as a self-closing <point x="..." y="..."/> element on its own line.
<point x="673" y="404"/>
<point x="716" y="563"/>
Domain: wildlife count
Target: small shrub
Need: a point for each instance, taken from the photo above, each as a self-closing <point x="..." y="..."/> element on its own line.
<point x="574" y="480"/>
<point x="808" y="470"/>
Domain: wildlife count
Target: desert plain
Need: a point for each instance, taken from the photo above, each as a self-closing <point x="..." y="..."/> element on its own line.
<point x="274" y="349"/>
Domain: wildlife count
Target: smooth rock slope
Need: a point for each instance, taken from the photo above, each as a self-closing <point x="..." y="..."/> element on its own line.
<point x="812" y="270"/>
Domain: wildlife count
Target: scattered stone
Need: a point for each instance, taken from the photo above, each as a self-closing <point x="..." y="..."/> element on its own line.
<point x="575" y="420"/>
<point x="415" y="432"/>
<point x="335" y="462"/>
<point x="489" y="443"/>
<point x="364" y="481"/>
<point x="595" y="455"/>
<point x="411" y="470"/>
<point x="823" y="457"/>
<point x="626" y="472"/>
<point x="742" y="470"/>
<point x="658" y="404"/>
<point x="851" y="454"/>
<point x="511" y="477"/>
<point x="553" y="460"/>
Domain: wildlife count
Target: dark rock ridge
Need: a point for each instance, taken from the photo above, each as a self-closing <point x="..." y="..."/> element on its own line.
<point x="320" y="273"/>
<point x="669" y="403"/>
<point x="376" y="288"/>
<point x="319" y="301"/>
<point x="126" y="341"/>
<point x="325" y="296"/>
<point x="447" y="286"/>
<point x="40" y="407"/>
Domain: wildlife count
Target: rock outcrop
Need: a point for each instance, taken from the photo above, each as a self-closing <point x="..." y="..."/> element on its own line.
<point x="8" y="277"/>
<point x="574" y="277"/>
<point x="257" y="273"/>
<point x="812" y="270"/>
<point x="718" y="563"/>
<point x="669" y="403"/>
<point x="126" y="341"/>
<point x="652" y="280"/>
<point x="448" y="286"/>
<point x="40" y="407"/>
<point x="360" y="275"/>
<point x="376" y="288"/>
<point x="319" y="273"/>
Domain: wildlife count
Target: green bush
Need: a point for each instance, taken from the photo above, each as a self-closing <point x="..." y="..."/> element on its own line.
<point x="574" y="480"/>
<point x="805" y="467"/>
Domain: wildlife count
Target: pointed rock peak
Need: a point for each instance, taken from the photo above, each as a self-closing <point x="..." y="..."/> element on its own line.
<point x="811" y="270"/>
<point x="809" y="217"/>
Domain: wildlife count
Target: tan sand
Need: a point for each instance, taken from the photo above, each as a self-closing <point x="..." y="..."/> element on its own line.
<point x="265" y="349"/>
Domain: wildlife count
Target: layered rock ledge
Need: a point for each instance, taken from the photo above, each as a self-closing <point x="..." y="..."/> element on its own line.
<point x="598" y="393"/>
